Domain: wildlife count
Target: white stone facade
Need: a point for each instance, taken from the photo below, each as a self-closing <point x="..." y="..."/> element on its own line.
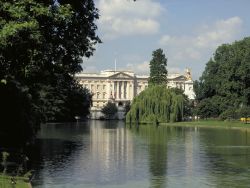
<point x="123" y="86"/>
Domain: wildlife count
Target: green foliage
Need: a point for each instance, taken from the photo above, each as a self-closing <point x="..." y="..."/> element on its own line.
<point x="109" y="110"/>
<point x="127" y="107"/>
<point x="206" y="108"/>
<point x="5" y="156"/>
<point x="41" y="47"/>
<point x="230" y="113"/>
<point x="18" y="114"/>
<point x="244" y="111"/>
<point x="224" y="83"/>
<point x="157" y="104"/>
<point x="158" y="71"/>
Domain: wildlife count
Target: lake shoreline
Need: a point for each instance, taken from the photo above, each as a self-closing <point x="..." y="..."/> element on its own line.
<point x="211" y="124"/>
<point x="16" y="181"/>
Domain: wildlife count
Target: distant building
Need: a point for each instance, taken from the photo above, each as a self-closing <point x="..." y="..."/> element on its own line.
<point x="122" y="86"/>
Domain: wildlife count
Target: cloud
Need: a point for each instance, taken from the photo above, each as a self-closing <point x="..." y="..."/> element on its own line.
<point x="208" y="38"/>
<point x="222" y="31"/>
<point x="141" y="68"/>
<point x="126" y="18"/>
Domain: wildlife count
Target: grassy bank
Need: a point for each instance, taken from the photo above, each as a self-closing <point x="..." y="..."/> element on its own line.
<point x="17" y="182"/>
<point x="211" y="123"/>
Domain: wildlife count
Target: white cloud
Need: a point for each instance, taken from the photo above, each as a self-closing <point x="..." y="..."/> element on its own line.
<point x="123" y="18"/>
<point x="207" y="39"/>
<point x="222" y="31"/>
<point x="141" y="68"/>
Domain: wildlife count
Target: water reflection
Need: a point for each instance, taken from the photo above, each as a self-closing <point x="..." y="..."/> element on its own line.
<point x="157" y="142"/>
<point x="173" y="159"/>
<point x="228" y="153"/>
<point x="107" y="154"/>
<point x="97" y="153"/>
<point x="111" y="152"/>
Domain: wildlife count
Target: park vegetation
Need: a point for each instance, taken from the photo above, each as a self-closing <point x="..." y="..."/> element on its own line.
<point x="158" y="71"/>
<point x="110" y="110"/>
<point x="14" y="174"/>
<point x="157" y="103"/>
<point x="223" y="90"/>
<point x="41" y="48"/>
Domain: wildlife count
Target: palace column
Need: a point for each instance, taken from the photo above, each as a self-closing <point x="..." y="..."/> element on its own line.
<point x="122" y="89"/>
<point x="114" y="91"/>
<point x="108" y="89"/>
<point x="117" y="89"/>
<point x="131" y="90"/>
<point x="127" y="91"/>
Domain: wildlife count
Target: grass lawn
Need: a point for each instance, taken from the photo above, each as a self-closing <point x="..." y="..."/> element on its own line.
<point x="211" y="123"/>
<point x="5" y="182"/>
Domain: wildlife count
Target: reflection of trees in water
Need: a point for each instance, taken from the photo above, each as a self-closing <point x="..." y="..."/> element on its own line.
<point x="157" y="140"/>
<point x="55" y="145"/>
<point x="228" y="156"/>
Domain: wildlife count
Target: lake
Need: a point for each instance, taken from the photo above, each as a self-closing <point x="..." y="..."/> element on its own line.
<point x="104" y="154"/>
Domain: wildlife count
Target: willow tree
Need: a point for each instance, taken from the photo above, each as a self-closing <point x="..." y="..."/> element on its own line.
<point x="157" y="104"/>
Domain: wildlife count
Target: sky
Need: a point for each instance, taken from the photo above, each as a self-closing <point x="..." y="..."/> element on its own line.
<point x="188" y="31"/>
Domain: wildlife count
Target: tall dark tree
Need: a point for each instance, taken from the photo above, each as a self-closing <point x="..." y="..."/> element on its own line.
<point x="41" y="47"/>
<point x="158" y="71"/>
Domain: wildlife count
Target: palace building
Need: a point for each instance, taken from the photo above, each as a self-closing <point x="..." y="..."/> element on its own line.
<point x="122" y="86"/>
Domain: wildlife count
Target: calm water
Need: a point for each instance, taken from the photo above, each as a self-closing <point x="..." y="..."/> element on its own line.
<point x="109" y="155"/>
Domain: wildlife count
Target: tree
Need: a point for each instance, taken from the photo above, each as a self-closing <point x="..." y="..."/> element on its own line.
<point x="127" y="107"/>
<point x="225" y="80"/>
<point x="46" y="35"/>
<point x="41" y="47"/>
<point x="109" y="110"/>
<point x="157" y="104"/>
<point x="206" y="109"/>
<point x="230" y="113"/>
<point x="158" y="71"/>
<point x="244" y="112"/>
<point x="19" y="116"/>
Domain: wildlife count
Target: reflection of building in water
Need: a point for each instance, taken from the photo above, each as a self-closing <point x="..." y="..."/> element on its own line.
<point x="189" y="153"/>
<point x="122" y="86"/>
<point x="112" y="150"/>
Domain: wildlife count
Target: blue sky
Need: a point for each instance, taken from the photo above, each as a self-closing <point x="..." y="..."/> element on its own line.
<point x="188" y="31"/>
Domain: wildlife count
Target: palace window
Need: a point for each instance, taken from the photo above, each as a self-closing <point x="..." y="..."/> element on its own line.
<point x="104" y="87"/>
